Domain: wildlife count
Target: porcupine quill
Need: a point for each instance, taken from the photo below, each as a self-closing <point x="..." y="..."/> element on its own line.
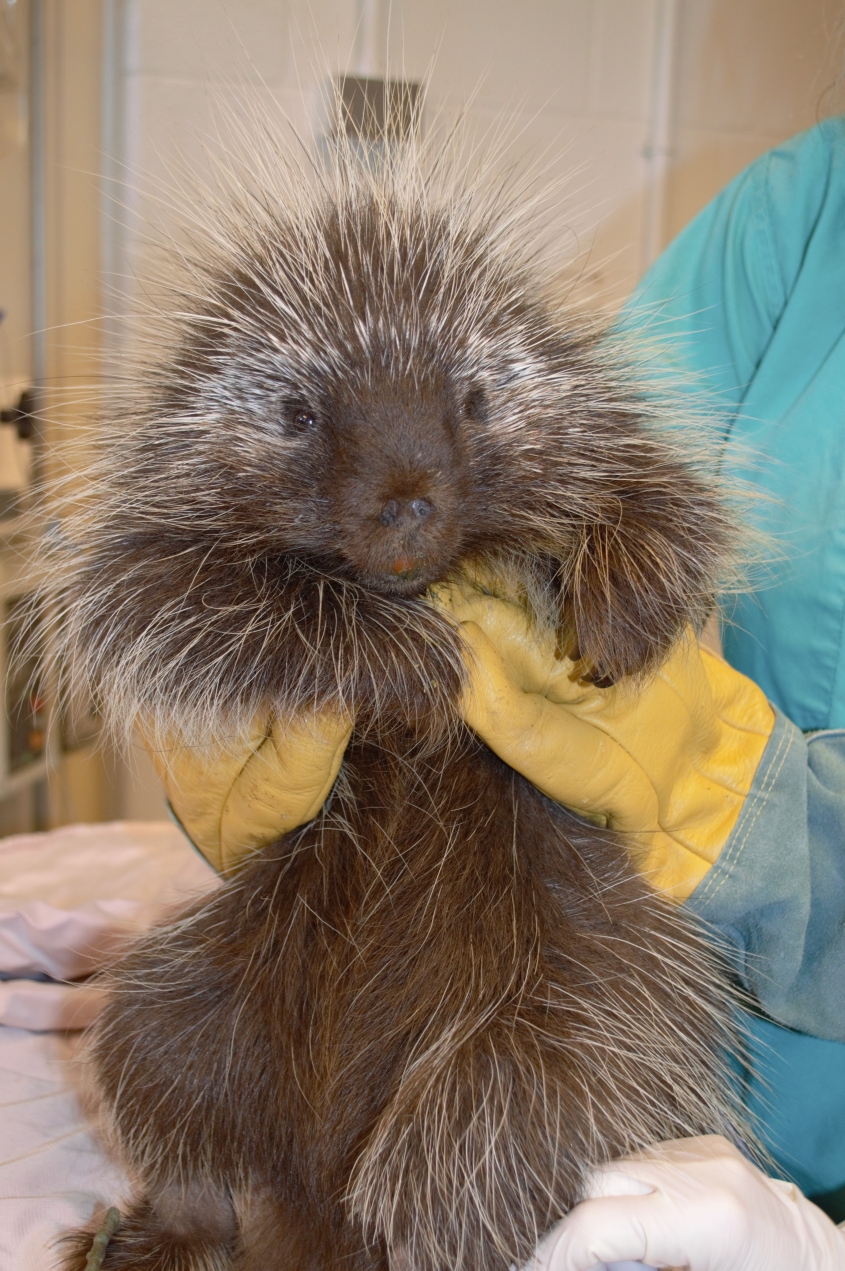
<point x="404" y="1033"/>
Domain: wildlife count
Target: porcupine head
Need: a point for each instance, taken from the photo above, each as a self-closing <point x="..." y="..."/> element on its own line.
<point x="353" y="387"/>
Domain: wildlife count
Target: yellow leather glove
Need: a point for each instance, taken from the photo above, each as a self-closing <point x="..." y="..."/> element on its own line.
<point x="231" y="801"/>
<point x="669" y="762"/>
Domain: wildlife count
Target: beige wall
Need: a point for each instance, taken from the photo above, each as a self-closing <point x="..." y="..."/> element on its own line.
<point x="575" y="76"/>
<point x="749" y="74"/>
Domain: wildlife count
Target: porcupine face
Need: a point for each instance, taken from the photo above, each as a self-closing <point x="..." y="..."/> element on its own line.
<point x="352" y="409"/>
<point x="400" y="398"/>
<point x="367" y="482"/>
<point x="360" y="389"/>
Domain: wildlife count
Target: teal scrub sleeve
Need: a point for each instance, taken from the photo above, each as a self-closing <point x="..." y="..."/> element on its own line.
<point x="777" y="891"/>
<point x="748" y="304"/>
<point x="710" y="306"/>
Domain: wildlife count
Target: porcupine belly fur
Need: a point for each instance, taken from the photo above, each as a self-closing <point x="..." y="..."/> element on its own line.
<point x="404" y="1033"/>
<point x="432" y="1011"/>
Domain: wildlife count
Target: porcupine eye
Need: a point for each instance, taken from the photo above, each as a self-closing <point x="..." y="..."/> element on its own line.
<point x="302" y="419"/>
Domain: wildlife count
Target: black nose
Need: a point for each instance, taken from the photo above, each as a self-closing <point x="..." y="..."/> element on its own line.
<point x="395" y="511"/>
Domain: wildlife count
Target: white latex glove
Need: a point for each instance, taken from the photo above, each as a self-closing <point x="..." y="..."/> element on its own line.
<point x="697" y="1204"/>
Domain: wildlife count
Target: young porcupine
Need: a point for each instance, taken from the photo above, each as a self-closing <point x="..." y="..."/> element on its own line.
<point x="405" y="1032"/>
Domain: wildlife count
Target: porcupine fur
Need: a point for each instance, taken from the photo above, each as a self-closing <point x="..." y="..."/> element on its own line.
<point x="404" y="1033"/>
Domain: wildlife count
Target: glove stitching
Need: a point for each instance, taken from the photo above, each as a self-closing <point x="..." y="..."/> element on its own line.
<point x="731" y="854"/>
<point x="729" y="859"/>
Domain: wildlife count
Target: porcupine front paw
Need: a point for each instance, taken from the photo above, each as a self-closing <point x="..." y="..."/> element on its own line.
<point x="147" y="1241"/>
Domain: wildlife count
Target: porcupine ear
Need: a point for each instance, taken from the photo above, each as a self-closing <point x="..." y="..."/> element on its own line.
<point x="645" y="566"/>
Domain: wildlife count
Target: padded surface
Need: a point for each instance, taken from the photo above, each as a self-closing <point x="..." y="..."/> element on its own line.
<point x="68" y="900"/>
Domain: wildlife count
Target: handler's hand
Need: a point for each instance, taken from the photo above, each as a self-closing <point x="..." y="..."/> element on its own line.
<point x="233" y="800"/>
<point x="694" y="1203"/>
<point x="670" y="762"/>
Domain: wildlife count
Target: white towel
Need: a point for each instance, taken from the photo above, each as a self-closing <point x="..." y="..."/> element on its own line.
<point x="70" y="898"/>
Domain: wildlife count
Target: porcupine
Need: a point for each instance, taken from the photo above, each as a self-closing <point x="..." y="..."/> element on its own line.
<point x="404" y="1033"/>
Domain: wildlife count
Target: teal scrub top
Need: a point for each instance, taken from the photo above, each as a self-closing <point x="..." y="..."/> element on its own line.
<point x="748" y="305"/>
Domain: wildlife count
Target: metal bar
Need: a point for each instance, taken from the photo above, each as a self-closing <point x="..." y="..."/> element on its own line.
<point x="38" y="197"/>
<point x="659" y="152"/>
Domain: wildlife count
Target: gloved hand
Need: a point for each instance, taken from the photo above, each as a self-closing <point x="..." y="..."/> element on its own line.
<point x="694" y="1203"/>
<point x="669" y="762"/>
<point x="231" y="801"/>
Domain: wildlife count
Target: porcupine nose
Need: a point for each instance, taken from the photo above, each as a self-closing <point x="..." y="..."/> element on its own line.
<point x="404" y="518"/>
<point x="405" y="512"/>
